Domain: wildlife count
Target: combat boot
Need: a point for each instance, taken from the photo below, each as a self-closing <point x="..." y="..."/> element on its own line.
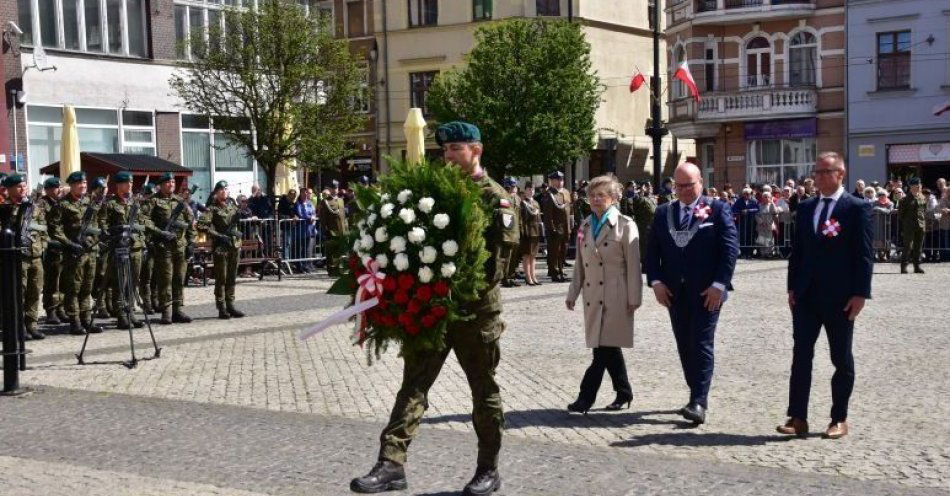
<point x="122" y="322"/>
<point x="101" y="311"/>
<point x="179" y="317"/>
<point x="52" y="318"/>
<point x="88" y="325"/>
<point x="33" y="333"/>
<point x="385" y="476"/>
<point x="223" y="312"/>
<point x="61" y="314"/>
<point x="147" y="308"/>
<point x="917" y="269"/>
<point x="903" y="268"/>
<point x="75" y="327"/>
<point x="485" y="482"/>
<point x="166" y="316"/>
<point x="234" y="311"/>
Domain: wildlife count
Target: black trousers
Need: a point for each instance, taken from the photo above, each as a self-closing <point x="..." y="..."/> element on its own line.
<point x="808" y="317"/>
<point x="607" y="358"/>
<point x="694" y="328"/>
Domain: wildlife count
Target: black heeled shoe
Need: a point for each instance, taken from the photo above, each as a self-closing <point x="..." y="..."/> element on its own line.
<point x="619" y="404"/>
<point x="578" y="407"/>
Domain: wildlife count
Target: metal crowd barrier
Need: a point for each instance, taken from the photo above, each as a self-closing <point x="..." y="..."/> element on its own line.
<point x="299" y="245"/>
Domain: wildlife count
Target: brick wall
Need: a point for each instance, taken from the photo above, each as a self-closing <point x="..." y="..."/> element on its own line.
<point x="11" y="72"/>
<point x="162" y="29"/>
<point x="168" y="136"/>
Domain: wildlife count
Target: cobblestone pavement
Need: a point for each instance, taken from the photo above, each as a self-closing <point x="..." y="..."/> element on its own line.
<point x="898" y="410"/>
<point x="89" y="443"/>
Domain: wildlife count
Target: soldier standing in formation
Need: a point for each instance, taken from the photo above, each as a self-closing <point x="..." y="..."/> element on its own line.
<point x="116" y="218"/>
<point x="31" y="249"/>
<point x="641" y="209"/>
<point x="100" y="284"/>
<point x="332" y="214"/>
<point x="147" y="278"/>
<point x="512" y="187"/>
<point x="172" y="228"/>
<point x="475" y="343"/>
<point x="556" y="213"/>
<point x="81" y="250"/>
<point x="220" y="221"/>
<point x="912" y="211"/>
<point x="52" y="259"/>
<point x="530" y="234"/>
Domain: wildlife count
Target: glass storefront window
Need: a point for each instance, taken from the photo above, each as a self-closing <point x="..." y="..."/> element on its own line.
<point x="125" y="27"/>
<point x="775" y="161"/>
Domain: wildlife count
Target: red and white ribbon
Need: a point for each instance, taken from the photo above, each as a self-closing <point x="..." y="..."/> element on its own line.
<point x="370" y="286"/>
<point x="831" y="228"/>
<point x="702" y="211"/>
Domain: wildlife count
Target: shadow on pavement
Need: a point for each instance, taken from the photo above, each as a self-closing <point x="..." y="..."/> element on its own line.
<point x="556" y="417"/>
<point x="699" y="439"/>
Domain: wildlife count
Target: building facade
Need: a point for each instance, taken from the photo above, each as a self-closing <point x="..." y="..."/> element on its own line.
<point x="112" y="60"/>
<point x="418" y="39"/>
<point x="772" y="78"/>
<point x="898" y="77"/>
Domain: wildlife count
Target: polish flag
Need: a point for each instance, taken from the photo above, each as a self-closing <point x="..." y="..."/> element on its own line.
<point x="637" y="82"/>
<point x="942" y="108"/>
<point x="686" y="77"/>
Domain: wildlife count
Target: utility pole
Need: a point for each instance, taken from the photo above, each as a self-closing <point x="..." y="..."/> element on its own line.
<point x="656" y="131"/>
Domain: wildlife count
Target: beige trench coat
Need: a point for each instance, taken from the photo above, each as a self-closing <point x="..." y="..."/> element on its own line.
<point x="607" y="271"/>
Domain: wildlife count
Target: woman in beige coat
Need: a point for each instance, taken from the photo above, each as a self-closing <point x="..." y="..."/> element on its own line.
<point x="607" y="273"/>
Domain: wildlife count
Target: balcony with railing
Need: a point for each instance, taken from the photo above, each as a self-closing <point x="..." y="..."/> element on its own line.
<point x="735" y="11"/>
<point x="745" y="105"/>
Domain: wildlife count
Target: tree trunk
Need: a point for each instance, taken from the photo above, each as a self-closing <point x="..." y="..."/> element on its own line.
<point x="270" y="170"/>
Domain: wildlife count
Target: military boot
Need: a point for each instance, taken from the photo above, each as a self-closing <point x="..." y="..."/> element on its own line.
<point x="485" y="482"/>
<point x="385" y="476"/>
<point x="234" y="311"/>
<point x="179" y="317"/>
<point x="223" y="312"/>
<point x="147" y="308"/>
<point x="61" y="314"/>
<point x="122" y="322"/>
<point x="917" y="269"/>
<point x="33" y="332"/>
<point x="75" y="327"/>
<point x="52" y="318"/>
<point x="903" y="268"/>
<point x="88" y="325"/>
<point x="166" y="316"/>
<point x="101" y="311"/>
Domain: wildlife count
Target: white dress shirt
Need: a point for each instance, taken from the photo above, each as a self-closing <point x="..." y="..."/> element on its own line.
<point x="831" y="208"/>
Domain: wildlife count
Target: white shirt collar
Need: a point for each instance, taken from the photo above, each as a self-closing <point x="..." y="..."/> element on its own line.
<point x="692" y="206"/>
<point x="837" y="194"/>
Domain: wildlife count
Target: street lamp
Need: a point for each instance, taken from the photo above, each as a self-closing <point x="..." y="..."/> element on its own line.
<point x="656" y="130"/>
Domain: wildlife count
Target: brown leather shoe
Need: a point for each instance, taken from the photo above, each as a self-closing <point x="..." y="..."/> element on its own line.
<point x="836" y="430"/>
<point x="794" y="426"/>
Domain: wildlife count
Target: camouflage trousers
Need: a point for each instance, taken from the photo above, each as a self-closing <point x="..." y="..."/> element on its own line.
<point x="78" y="275"/>
<point x="52" y="270"/>
<point x="31" y="287"/>
<point x="476" y="346"/>
<point x="225" y="275"/>
<point x="170" y="269"/>
<point x="116" y="292"/>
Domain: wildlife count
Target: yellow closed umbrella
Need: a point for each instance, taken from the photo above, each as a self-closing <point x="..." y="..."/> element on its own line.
<point x="415" y="136"/>
<point x="285" y="178"/>
<point x="69" y="147"/>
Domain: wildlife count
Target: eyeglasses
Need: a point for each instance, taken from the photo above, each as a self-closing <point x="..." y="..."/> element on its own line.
<point x="685" y="185"/>
<point x="822" y="172"/>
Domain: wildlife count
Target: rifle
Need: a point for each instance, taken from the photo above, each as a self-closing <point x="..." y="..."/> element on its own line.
<point x="174" y="225"/>
<point x="24" y="240"/>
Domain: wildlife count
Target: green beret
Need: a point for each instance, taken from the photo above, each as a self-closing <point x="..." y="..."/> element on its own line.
<point x="457" y="132"/>
<point x="122" y="177"/>
<point x="220" y="185"/>
<point x="76" y="177"/>
<point x="165" y="178"/>
<point x="12" y="180"/>
<point x="52" y="182"/>
<point x="148" y="188"/>
<point x="914" y="181"/>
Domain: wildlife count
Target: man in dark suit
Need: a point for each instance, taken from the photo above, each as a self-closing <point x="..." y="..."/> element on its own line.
<point x="691" y="256"/>
<point x="829" y="278"/>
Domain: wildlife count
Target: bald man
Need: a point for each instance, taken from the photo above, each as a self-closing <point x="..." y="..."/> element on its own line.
<point x="691" y="255"/>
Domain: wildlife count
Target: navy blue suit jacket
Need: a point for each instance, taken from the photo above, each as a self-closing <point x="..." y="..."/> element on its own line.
<point x="837" y="267"/>
<point x="709" y="257"/>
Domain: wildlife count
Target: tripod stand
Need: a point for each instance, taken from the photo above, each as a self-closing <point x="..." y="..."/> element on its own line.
<point x="128" y="290"/>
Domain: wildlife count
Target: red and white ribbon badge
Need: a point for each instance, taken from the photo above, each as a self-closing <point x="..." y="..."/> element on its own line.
<point x="831" y="228"/>
<point x="702" y="211"/>
<point x="370" y="286"/>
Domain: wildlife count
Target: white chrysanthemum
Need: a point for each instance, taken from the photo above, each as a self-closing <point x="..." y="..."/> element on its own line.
<point x="428" y="255"/>
<point x="448" y="270"/>
<point x="401" y="262"/>
<point x="386" y="210"/>
<point x="426" y="204"/>
<point x="440" y="221"/>
<point x="356" y="245"/>
<point x="381" y="235"/>
<point x="382" y="260"/>
<point x="371" y="220"/>
<point x="404" y="196"/>
<point x="384" y="197"/>
<point x="397" y="244"/>
<point x="425" y="274"/>
<point x="450" y="248"/>
<point x="417" y="235"/>
<point x="407" y="215"/>
<point x="361" y="225"/>
<point x="366" y="241"/>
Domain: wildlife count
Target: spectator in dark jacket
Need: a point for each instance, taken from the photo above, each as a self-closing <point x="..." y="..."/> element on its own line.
<point x="746" y="208"/>
<point x="306" y="230"/>
<point x="261" y="205"/>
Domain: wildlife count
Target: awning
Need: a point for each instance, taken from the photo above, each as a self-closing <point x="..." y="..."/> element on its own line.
<point x="103" y="164"/>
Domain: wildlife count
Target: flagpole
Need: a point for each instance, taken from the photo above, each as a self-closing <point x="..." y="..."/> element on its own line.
<point x="656" y="131"/>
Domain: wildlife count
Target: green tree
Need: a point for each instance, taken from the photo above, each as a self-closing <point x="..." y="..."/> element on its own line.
<point x="529" y="86"/>
<point x="284" y="74"/>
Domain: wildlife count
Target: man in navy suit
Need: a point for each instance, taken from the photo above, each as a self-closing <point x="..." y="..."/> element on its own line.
<point x="829" y="278"/>
<point x="690" y="260"/>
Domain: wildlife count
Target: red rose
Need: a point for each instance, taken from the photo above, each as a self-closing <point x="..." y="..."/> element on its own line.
<point x="405" y="319"/>
<point x="401" y="298"/>
<point x="439" y="312"/>
<point x="429" y="321"/>
<point x="389" y="284"/>
<point x="441" y="288"/>
<point x="424" y="293"/>
<point x="414" y="307"/>
<point x="390" y="321"/>
<point x="354" y="263"/>
<point x="412" y="329"/>
<point x="406" y="281"/>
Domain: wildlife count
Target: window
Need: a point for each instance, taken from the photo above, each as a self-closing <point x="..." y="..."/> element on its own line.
<point x="419" y="84"/>
<point x="355" y="18"/>
<point x="207" y="23"/>
<point x="778" y="160"/>
<point x="78" y="25"/>
<point x="207" y="151"/>
<point x="423" y="12"/>
<point x="481" y="10"/>
<point x="138" y="132"/>
<point x="361" y="102"/>
<point x="893" y="60"/>
<point x="758" y="62"/>
<point x="803" y="58"/>
<point x="548" y="7"/>
<point x="709" y="69"/>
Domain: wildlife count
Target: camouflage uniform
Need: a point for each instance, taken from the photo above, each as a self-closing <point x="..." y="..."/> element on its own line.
<point x="169" y="256"/>
<point x="514" y="259"/>
<point x="115" y="219"/>
<point x="911" y="212"/>
<point x="333" y="224"/>
<point x="52" y="266"/>
<point x="79" y="266"/>
<point x="31" y="262"/>
<point x="220" y="222"/>
<point x="147" y="279"/>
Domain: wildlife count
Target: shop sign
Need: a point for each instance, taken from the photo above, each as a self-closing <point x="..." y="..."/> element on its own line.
<point x="785" y="129"/>
<point x="867" y="151"/>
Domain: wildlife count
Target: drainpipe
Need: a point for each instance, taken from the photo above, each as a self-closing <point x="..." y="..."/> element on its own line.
<point x="386" y="78"/>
